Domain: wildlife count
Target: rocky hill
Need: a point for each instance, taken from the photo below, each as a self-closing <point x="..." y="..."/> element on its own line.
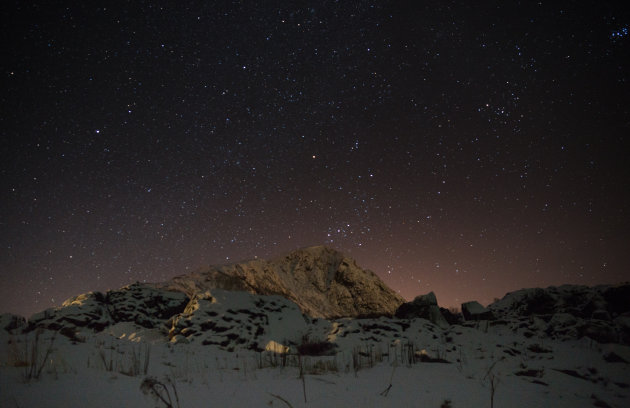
<point x="231" y="305"/>
<point x="566" y="312"/>
<point x="320" y="280"/>
<point x="245" y="305"/>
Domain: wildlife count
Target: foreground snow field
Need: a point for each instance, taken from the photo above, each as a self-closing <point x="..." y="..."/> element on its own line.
<point x="108" y="369"/>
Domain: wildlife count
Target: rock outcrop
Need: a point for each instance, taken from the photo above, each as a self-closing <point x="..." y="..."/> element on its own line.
<point x="424" y="307"/>
<point x="320" y="280"/>
<point x="475" y="311"/>
<point x="317" y="281"/>
<point x="139" y="304"/>
<point x="601" y="313"/>
<point x="233" y="320"/>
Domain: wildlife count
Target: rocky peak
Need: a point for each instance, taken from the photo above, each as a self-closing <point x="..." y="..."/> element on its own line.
<point x="323" y="282"/>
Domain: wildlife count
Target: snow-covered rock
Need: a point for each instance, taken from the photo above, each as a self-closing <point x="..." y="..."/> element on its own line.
<point x="88" y="310"/>
<point x="141" y="304"/>
<point x="568" y="312"/>
<point x="475" y="311"/>
<point x="276" y="347"/>
<point x="144" y="305"/>
<point x="320" y="280"/>
<point x="236" y="320"/>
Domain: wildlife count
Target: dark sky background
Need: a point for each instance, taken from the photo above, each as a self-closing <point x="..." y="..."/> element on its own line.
<point x="466" y="148"/>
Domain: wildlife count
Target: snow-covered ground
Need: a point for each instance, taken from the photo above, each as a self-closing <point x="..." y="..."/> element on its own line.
<point x="107" y="369"/>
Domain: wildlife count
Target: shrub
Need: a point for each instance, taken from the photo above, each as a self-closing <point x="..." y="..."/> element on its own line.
<point x="537" y="348"/>
<point x="32" y="359"/>
<point x="315" y="348"/>
<point x="159" y="391"/>
<point x="324" y="366"/>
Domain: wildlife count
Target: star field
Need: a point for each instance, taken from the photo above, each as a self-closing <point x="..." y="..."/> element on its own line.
<point x="469" y="149"/>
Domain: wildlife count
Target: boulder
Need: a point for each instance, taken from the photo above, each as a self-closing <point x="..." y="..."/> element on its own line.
<point x="563" y="326"/>
<point x="277" y="348"/>
<point x="424" y="307"/>
<point x="599" y="330"/>
<point x="475" y="311"/>
<point x="451" y="315"/>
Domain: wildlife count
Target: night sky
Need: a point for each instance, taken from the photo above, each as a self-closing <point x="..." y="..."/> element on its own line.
<point x="465" y="148"/>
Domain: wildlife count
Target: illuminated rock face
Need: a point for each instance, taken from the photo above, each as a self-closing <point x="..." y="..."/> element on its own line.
<point x="320" y="280"/>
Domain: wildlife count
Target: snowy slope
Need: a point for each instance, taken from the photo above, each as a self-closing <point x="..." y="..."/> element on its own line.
<point x="425" y="365"/>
